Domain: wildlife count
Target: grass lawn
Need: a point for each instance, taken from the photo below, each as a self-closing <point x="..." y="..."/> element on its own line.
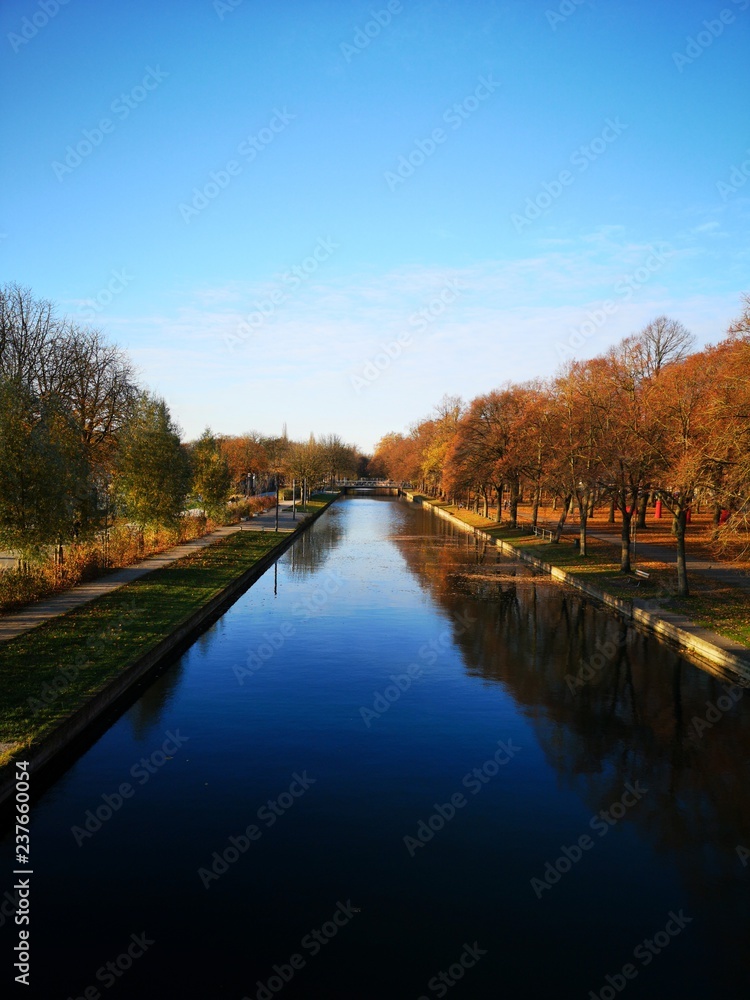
<point x="51" y="670"/>
<point x="722" y="609"/>
<point x="315" y="502"/>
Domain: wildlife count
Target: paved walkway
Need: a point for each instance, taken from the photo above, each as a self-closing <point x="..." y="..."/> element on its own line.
<point x="726" y="574"/>
<point x="18" y="622"/>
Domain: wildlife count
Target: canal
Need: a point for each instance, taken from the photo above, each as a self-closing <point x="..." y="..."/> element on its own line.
<point x="402" y="766"/>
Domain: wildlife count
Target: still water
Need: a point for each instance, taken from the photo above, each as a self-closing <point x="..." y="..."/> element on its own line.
<point x="371" y="779"/>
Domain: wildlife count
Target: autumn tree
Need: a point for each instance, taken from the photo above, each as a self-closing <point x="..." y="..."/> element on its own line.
<point x="433" y="437"/>
<point x="577" y="467"/>
<point x="305" y="462"/>
<point x="680" y="408"/>
<point x="152" y="474"/>
<point x="211" y="478"/>
<point x="625" y="434"/>
<point x="246" y="457"/>
<point x="397" y="457"/>
<point x="43" y="471"/>
<point x="339" y="460"/>
<point x="730" y="422"/>
<point x="661" y="342"/>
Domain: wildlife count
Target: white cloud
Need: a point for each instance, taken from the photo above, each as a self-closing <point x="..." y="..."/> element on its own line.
<point x="504" y="325"/>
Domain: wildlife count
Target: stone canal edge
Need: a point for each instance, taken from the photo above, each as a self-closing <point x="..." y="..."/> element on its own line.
<point x="699" y="644"/>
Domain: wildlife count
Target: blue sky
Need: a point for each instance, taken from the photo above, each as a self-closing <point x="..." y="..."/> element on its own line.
<point x="216" y="185"/>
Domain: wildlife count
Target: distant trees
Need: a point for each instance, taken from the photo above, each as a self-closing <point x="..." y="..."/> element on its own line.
<point x="305" y="463"/>
<point x="397" y="457"/>
<point x="338" y="460"/>
<point x="246" y="457"/>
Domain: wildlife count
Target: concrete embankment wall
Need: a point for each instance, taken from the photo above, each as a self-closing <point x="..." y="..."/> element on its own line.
<point x="91" y="715"/>
<point x="729" y="658"/>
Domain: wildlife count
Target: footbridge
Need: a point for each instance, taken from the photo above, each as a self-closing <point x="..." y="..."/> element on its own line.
<point x="372" y="487"/>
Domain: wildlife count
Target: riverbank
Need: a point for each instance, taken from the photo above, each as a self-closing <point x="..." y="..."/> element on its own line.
<point x="61" y="677"/>
<point x="650" y="602"/>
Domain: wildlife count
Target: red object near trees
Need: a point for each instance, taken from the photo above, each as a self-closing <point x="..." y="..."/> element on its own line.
<point x="657" y="510"/>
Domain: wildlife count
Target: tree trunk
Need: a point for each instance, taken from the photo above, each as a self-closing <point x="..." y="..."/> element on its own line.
<point x="717" y="515"/>
<point x="486" y="501"/>
<point x="612" y="505"/>
<point x="680" y="523"/>
<point x="514" y="503"/>
<point x="563" y="516"/>
<point x="627" y="517"/>
<point x="583" y="513"/>
<point x="554" y="502"/>
<point x="535" y="506"/>
<point x="642" y="505"/>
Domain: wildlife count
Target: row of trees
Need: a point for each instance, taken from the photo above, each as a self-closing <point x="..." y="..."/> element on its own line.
<point x="82" y="443"/>
<point x="650" y="418"/>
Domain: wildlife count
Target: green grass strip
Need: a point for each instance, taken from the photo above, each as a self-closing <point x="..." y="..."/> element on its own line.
<point x="49" y="672"/>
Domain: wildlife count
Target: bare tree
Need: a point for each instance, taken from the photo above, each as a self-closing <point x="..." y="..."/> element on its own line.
<point x="663" y="342"/>
<point x="98" y="382"/>
<point x="29" y="339"/>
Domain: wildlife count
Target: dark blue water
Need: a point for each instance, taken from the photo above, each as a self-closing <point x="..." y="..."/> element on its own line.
<point x="421" y="804"/>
